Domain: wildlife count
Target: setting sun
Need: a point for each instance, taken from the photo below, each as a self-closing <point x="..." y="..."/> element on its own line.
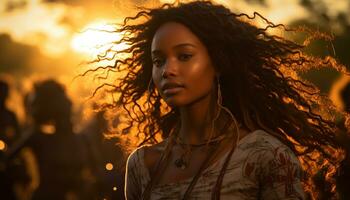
<point x="96" y="38"/>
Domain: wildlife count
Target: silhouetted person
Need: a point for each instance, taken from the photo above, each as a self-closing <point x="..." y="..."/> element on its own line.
<point x="56" y="147"/>
<point x="8" y="122"/>
<point x="105" y="159"/>
<point x="8" y="134"/>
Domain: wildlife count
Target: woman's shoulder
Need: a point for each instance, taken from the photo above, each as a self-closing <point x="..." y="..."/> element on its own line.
<point x="262" y="140"/>
<point x="268" y="151"/>
<point x="146" y="155"/>
<point x="152" y="154"/>
<point x="263" y="147"/>
<point x="135" y="156"/>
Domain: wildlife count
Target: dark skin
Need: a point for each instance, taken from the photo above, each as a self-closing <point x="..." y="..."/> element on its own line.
<point x="173" y="174"/>
<point x="181" y="60"/>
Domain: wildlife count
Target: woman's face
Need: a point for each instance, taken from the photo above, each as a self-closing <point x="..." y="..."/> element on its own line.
<point x="182" y="69"/>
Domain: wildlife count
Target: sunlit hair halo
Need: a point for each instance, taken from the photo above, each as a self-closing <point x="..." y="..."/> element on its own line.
<point x="253" y="64"/>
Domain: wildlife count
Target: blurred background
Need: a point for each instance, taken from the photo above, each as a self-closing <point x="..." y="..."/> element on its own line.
<point x="43" y="44"/>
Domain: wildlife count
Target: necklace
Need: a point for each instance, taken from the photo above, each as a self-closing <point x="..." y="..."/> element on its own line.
<point x="164" y="161"/>
<point x="206" y="142"/>
<point x="183" y="161"/>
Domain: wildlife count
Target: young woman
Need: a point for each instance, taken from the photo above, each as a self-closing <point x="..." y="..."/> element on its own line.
<point x="235" y="118"/>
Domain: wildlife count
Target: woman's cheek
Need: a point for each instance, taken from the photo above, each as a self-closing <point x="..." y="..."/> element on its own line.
<point x="156" y="78"/>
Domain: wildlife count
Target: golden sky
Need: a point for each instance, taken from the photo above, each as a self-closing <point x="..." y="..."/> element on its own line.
<point x="61" y="30"/>
<point x="54" y="27"/>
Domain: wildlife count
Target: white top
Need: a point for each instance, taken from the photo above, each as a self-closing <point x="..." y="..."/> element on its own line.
<point x="261" y="167"/>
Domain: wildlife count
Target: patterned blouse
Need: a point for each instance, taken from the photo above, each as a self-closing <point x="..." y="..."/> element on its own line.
<point x="261" y="167"/>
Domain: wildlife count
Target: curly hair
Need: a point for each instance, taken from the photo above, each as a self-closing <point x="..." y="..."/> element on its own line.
<point x="254" y="65"/>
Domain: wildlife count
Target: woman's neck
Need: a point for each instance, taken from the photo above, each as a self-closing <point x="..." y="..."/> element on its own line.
<point x="196" y="121"/>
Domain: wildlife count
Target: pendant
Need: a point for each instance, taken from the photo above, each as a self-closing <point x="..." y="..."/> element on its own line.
<point x="180" y="163"/>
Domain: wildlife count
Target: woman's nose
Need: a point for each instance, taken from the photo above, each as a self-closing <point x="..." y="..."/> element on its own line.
<point x="169" y="69"/>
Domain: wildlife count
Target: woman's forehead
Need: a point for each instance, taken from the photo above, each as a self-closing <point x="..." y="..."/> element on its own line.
<point x="173" y="35"/>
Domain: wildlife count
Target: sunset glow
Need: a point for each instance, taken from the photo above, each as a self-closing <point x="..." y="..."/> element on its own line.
<point x="95" y="39"/>
<point x="78" y="98"/>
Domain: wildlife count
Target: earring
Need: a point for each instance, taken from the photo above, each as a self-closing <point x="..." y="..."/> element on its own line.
<point x="217" y="109"/>
<point x="222" y="107"/>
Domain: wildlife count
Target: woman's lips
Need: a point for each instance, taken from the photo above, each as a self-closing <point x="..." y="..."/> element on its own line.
<point x="172" y="90"/>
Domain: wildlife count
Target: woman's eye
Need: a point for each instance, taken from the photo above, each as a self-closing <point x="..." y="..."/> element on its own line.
<point x="185" y="57"/>
<point x="157" y="62"/>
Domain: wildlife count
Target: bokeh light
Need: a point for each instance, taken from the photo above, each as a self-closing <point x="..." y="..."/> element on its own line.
<point x="109" y="166"/>
<point x="2" y="145"/>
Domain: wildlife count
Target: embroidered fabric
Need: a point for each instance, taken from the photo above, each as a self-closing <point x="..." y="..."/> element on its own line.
<point x="261" y="167"/>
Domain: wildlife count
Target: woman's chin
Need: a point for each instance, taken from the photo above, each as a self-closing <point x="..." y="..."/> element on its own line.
<point x="175" y="102"/>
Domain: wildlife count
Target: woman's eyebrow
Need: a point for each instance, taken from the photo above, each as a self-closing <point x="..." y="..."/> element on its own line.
<point x="158" y="51"/>
<point x="183" y="45"/>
